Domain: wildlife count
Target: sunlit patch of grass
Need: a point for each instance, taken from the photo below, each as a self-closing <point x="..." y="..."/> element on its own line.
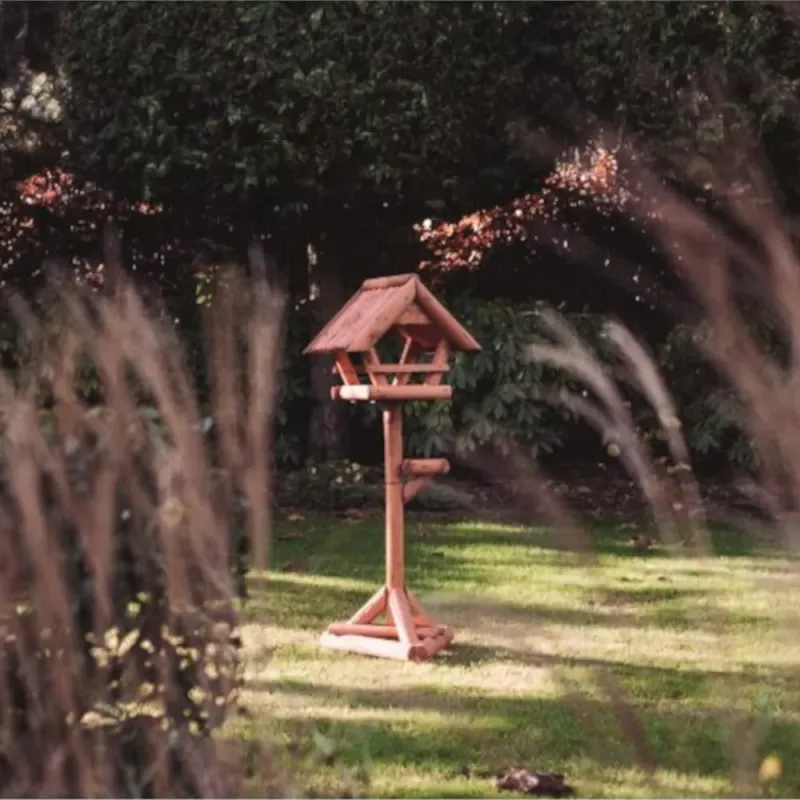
<point x="699" y="648"/>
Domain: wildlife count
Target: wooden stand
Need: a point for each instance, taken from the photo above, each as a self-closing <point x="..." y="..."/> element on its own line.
<point x="393" y="623"/>
<point x="408" y="632"/>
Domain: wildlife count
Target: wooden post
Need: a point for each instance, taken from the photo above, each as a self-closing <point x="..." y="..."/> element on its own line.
<point x="393" y="461"/>
<point x="409" y="633"/>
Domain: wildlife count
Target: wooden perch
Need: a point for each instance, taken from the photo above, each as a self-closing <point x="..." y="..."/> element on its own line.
<point x="421" y="467"/>
<point x="401" y="369"/>
<point x="421" y="470"/>
<point x="391" y="392"/>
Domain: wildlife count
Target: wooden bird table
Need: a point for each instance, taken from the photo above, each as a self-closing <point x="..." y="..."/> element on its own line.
<point x="393" y="623"/>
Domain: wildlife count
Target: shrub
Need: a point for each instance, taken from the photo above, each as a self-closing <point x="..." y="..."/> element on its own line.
<point x="499" y="392"/>
<point x="708" y="408"/>
<point x="333" y="485"/>
<point x="441" y="496"/>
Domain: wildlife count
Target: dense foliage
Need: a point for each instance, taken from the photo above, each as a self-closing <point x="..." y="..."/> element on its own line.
<point x="324" y="109"/>
<point x="336" y="126"/>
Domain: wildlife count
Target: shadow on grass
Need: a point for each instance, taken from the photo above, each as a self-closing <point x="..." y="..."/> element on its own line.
<point x="289" y="602"/>
<point x="292" y="601"/>
<point x="356" y="549"/>
<point x="695" y="685"/>
<point x="311" y="602"/>
<point x="490" y="731"/>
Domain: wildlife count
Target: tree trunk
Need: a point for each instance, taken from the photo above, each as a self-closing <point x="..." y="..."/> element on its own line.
<point x="328" y="424"/>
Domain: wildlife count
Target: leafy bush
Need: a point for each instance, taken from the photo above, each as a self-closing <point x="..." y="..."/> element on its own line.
<point x="441" y="496"/>
<point x="334" y="485"/>
<point x="708" y="409"/>
<point x="498" y="393"/>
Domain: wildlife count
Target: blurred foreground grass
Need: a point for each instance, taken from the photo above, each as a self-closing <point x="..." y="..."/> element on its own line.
<point x="705" y="650"/>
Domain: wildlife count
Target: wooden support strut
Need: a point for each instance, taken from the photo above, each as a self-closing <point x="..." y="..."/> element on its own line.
<point x="419" y="471"/>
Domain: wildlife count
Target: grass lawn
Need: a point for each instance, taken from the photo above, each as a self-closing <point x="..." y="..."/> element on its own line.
<point x="705" y="650"/>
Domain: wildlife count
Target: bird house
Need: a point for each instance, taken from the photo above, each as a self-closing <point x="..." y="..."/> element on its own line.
<point x="393" y="622"/>
<point x="399" y="306"/>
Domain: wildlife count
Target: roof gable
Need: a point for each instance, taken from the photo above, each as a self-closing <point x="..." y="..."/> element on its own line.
<point x="380" y="304"/>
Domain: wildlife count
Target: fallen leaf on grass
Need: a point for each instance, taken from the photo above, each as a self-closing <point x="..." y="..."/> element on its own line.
<point x="520" y="779"/>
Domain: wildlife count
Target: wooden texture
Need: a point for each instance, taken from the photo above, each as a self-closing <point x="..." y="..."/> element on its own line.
<point x="368" y="646"/>
<point x="402" y="369"/>
<point x="425" y="466"/>
<point x="391" y="392"/>
<point x="344" y="366"/>
<point x="440" y="357"/>
<point x="380" y="631"/>
<point x="393" y="623"/>
<point x="452" y="329"/>
<point x="425" y="336"/>
<point x="401" y="301"/>
<point x="389" y="281"/>
<point x="413" y="487"/>
<point x="413" y="315"/>
<point x="408" y="632"/>
<point x="383" y="316"/>
<point x="372" y="365"/>
<point x="372" y="609"/>
<point x="392" y="460"/>
<point x="411" y="350"/>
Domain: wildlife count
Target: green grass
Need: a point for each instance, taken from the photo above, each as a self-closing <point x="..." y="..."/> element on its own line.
<point x="704" y="650"/>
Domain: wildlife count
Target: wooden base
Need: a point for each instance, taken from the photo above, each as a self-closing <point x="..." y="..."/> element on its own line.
<point x="409" y="634"/>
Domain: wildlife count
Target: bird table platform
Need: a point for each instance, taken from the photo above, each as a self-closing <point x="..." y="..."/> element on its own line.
<point x="393" y="623"/>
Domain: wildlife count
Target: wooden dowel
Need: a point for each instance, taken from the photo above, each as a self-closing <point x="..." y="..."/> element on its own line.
<point x="372" y="609"/>
<point x="391" y="392"/>
<point x="372" y="366"/>
<point x="439" y="360"/>
<point x="422" y="467"/>
<point x="410" y="351"/>
<point x="403" y="619"/>
<point x="344" y="366"/>
<point x="400" y="369"/>
<point x="413" y="487"/>
<point x="389" y="281"/>
<point x="378" y="631"/>
<point x="369" y="646"/>
<point x="432" y="645"/>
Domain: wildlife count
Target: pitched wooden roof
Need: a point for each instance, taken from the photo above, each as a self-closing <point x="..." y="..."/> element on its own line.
<point x="381" y="303"/>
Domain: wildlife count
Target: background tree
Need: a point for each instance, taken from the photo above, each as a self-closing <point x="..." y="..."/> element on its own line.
<point x="329" y="122"/>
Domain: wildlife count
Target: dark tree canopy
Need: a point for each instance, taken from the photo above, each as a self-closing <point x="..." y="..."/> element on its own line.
<point x="318" y="107"/>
